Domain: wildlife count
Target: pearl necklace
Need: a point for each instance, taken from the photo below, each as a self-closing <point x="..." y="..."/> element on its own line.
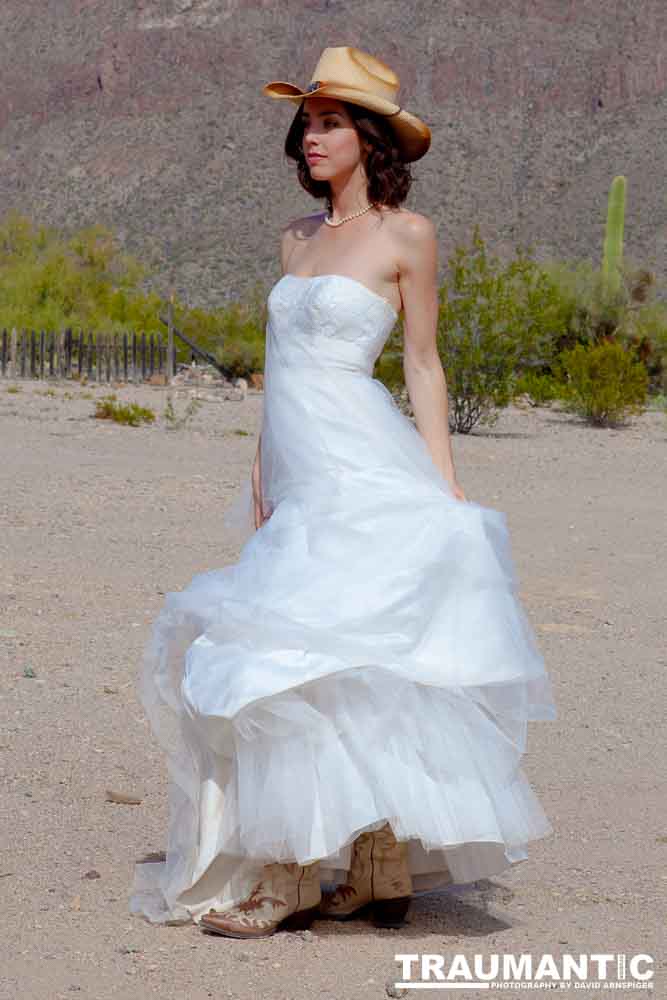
<point x="327" y="218"/>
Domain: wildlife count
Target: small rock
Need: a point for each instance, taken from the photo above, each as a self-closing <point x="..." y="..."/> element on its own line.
<point x="395" y="991"/>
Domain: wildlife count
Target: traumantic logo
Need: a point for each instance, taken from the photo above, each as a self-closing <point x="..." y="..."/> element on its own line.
<point x="521" y="972"/>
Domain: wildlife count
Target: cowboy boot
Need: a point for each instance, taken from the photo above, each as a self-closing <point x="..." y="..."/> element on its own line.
<point x="379" y="880"/>
<point x="285" y="898"/>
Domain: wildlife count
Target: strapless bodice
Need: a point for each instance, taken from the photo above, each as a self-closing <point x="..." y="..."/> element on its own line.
<point x="327" y="321"/>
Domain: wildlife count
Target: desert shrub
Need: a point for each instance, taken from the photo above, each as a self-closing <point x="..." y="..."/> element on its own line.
<point x="233" y="334"/>
<point x="605" y="382"/>
<point x="538" y="388"/>
<point x="242" y="346"/>
<point x="633" y="316"/>
<point x="495" y="321"/>
<point x="172" y="421"/>
<point x="644" y="329"/>
<point x="51" y="281"/>
<point x="131" y="414"/>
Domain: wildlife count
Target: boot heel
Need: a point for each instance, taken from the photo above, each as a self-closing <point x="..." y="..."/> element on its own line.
<point x="300" y="920"/>
<point x="390" y="912"/>
<point x="363" y="911"/>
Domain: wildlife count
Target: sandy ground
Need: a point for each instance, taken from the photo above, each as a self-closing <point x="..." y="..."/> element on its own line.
<point x="99" y="521"/>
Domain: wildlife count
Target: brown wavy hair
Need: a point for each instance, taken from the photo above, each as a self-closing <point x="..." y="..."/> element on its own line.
<point x="389" y="176"/>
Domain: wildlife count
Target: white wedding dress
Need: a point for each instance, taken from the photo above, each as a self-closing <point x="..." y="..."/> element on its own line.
<point x="365" y="660"/>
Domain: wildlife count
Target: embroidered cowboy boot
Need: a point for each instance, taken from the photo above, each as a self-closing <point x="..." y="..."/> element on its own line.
<point x="285" y="898"/>
<point x="350" y="898"/>
<point x="379" y="881"/>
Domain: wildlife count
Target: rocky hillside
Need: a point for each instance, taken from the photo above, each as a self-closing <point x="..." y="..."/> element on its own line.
<point x="147" y="115"/>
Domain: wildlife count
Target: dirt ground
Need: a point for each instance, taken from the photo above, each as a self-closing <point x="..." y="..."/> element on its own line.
<point x="98" y="521"/>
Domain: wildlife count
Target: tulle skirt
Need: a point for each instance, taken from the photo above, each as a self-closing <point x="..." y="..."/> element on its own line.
<point x="365" y="660"/>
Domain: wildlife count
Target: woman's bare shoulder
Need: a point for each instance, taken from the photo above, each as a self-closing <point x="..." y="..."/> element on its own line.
<point x="297" y="230"/>
<point x="412" y="225"/>
<point x="304" y="225"/>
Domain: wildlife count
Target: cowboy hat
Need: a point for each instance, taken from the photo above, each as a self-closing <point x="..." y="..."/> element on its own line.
<point x="359" y="78"/>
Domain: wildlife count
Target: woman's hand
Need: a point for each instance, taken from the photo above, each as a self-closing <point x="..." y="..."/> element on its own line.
<point x="261" y="511"/>
<point x="457" y="490"/>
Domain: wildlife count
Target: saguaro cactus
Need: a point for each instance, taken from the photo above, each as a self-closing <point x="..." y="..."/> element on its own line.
<point x="613" y="240"/>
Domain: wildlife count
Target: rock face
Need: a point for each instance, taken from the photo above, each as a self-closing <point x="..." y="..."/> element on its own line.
<point x="147" y="115"/>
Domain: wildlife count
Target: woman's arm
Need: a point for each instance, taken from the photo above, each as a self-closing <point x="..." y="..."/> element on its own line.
<point x="256" y="480"/>
<point x="261" y="513"/>
<point x="422" y="368"/>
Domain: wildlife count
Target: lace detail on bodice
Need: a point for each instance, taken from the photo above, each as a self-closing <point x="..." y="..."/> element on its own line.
<point x="327" y="320"/>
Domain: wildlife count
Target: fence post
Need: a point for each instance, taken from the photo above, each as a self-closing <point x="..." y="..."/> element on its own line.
<point x="171" y="360"/>
<point x="60" y="366"/>
<point x="51" y="349"/>
<point x="68" y="352"/>
<point x="134" y="356"/>
<point x="13" y="346"/>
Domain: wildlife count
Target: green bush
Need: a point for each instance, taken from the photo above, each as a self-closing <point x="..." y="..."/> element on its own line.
<point x="234" y="334"/>
<point x="633" y="317"/>
<point x="130" y="414"/>
<point x="605" y="383"/>
<point x="242" y="346"/>
<point x="174" y="422"/>
<point x="51" y="281"/>
<point x="644" y="328"/>
<point x="539" y="389"/>
<point x="495" y="321"/>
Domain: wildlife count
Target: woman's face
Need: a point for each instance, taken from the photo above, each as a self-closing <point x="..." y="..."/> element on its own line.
<point x="331" y="143"/>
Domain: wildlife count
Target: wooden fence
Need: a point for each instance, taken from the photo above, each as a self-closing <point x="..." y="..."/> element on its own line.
<point x="101" y="357"/>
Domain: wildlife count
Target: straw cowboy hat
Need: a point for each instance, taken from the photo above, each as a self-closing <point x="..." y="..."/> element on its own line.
<point x="355" y="76"/>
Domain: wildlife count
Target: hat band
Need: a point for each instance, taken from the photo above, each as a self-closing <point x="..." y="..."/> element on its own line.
<point x="316" y="84"/>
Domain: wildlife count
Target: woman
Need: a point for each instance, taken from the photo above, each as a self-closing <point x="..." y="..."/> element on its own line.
<point x="346" y="706"/>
